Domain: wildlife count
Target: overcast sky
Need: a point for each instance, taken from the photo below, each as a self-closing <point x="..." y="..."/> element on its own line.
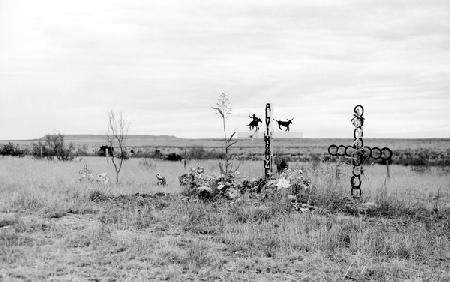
<point x="64" y="64"/>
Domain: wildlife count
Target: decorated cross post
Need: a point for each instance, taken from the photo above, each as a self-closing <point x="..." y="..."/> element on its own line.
<point x="268" y="141"/>
<point x="358" y="152"/>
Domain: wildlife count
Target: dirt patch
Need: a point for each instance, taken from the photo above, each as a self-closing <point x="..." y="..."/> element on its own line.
<point x="158" y="200"/>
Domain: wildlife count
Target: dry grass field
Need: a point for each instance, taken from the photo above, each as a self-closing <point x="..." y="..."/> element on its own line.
<point x="52" y="226"/>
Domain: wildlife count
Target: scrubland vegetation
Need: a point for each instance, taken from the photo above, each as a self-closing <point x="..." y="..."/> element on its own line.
<point x="52" y="226"/>
<point x="416" y="152"/>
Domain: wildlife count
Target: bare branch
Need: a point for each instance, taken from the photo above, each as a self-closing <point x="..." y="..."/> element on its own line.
<point x="231" y="137"/>
<point x="117" y="131"/>
<point x="231" y="144"/>
<point x="223" y="109"/>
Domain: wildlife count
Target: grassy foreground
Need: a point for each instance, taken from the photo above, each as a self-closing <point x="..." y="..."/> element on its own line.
<point x="54" y="227"/>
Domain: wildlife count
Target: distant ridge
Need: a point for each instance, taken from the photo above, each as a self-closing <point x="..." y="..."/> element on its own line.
<point x="103" y="136"/>
<point x="171" y="143"/>
<point x="276" y="134"/>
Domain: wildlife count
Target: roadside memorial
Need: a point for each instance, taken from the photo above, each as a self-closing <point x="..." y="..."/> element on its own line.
<point x="358" y="152"/>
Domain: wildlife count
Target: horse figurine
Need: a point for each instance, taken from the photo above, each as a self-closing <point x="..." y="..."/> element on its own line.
<point x="254" y="124"/>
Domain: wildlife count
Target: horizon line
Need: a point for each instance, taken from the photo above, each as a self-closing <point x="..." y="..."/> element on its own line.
<point x="220" y="138"/>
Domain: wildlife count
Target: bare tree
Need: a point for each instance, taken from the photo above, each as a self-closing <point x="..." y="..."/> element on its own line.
<point x="223" y="108"/>
<point x="117" y="134"/>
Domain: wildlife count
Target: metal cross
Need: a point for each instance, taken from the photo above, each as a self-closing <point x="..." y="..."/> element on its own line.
<point x="358" y="152"/>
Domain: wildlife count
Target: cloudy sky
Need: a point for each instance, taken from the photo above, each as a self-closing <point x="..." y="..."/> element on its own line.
<point x="64" y="64"/>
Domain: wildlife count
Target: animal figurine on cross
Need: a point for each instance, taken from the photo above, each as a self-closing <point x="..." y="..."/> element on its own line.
<point x="358" y="152"/>
<point x="284" y="123"/>
<point x="254" y="124"/>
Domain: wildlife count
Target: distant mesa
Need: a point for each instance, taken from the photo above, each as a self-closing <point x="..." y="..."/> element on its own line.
<point x="260" y="134"/>
<point x="78" y="137"/>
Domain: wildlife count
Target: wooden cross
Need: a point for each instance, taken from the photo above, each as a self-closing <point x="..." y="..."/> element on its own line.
<point x="358" y="152"/>
<point x="85" y="171"/>
<point x="268" y="152"/>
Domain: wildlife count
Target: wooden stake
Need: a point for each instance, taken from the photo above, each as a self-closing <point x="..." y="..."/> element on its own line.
<point x="268" y="153"/>
<point x="388" y="171"/>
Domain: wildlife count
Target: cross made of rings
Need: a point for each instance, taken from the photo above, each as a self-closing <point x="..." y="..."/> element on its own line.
<point x="358" y="152"/>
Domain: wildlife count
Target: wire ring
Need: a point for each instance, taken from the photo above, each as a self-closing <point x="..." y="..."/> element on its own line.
<point x="342" y="154"/>
<point x="367" y="152"/>
<point x="384" y="151"/>
<point x="356" y="182"/>
<point x="358" y="110"/>
<point x="357" y="170"/>
<point x="357" y="122"/>
<point x="335" y="150"/>
<point x="358" y="143"/>
<point x="357" y="133"/>
<point x="376" y="153"/>
<point x="347" y="148"/>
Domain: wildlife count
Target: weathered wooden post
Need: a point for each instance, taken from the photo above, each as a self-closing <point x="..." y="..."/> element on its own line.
<point x="268" y="163"/>
<point x="107" y="154"/>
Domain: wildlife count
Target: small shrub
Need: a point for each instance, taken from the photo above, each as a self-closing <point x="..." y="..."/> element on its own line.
<point x="157" y="154"/>
<point x="197" y="153"/>
<point x="11" y="150"/>
<point x="82" y="151"/>
<point x="53" y="146"/>
<point x="174" y="157"/>
<point x="282" y="165"/>
<point x="97" y="196"/>
<point x="208" y="186"/>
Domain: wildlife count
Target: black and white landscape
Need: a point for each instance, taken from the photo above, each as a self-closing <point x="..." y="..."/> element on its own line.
<point x="224" y="140"/>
